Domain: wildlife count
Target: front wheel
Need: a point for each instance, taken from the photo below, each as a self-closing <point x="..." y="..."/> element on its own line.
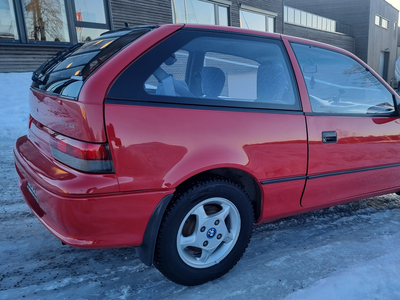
<point x="204" y="233"/>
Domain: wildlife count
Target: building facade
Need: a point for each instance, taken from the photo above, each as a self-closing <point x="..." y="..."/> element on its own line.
<point x="33" y="30"/>
<point x="374" y="25"/>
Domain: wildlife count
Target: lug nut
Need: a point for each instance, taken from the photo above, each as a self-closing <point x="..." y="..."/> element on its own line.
<point x="216" y="222"/>
<point x="202" y="229"/>
<point x="219" y="236"/>
<point x="205" y="243"/>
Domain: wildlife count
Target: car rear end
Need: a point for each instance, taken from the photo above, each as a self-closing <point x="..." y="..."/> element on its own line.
<point x="66" y="172"/>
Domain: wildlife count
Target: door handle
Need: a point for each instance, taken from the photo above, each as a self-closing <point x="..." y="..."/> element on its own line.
<point x="329" y="137"/>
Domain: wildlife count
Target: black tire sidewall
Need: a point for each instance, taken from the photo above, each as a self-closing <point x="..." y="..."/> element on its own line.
<point x="168" y="260"/>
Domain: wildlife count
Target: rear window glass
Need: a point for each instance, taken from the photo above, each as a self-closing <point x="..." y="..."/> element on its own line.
<point x="65" y="73"/>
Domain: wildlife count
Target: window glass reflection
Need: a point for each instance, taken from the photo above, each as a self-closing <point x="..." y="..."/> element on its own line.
<point x="200" y="12"/>
<point x="87" y="34"/>
<point x="223" y="15"/>
<point x="271" y="24"/>
<point x="385" y="23"/>
<point x="337" y="83"/>
<point x="251" y="20"/>
<point x="179" y="11"/>
<point x="8" y="28"/>
<point x="46" y="20"/>
<point x="90" y="11"/>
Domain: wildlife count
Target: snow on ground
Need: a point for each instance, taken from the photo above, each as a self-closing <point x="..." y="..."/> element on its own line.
<point x="345" y="252"/>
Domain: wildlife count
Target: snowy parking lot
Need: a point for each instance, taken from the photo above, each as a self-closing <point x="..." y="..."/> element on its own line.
<point x="345" y="252"/>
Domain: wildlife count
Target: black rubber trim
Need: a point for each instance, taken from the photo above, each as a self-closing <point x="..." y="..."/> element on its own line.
<point x="353" y="171"/>
<point x="145" y="251"/>
<point x="277" y="37"/>
<point x="200" y="106"/>
<point x="393" y="115"/>
<point x="283" y="179"/>
<point x="328" y="174"/>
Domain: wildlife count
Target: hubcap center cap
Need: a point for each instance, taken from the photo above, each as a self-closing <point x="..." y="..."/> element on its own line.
<point x="211" y="233"/>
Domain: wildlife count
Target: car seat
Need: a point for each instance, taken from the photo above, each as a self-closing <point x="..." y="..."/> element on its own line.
<point x="213" y="81"/>
<point x="271" y="84"/>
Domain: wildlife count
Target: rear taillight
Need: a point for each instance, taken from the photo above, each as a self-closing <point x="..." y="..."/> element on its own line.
<point x="86" y="157"/>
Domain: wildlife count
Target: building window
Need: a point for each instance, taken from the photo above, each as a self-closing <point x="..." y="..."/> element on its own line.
<point x="201" y="12"/>
<point x="385" y="23"/>
<point x="377" y="20"/>
<point x="298" y="17"/>
<point x="90" y="19"/>
<point x="8" y="25"/>
<point x="45" y="20"/>
<point x="39" y="21"/>
<point x="394" y="30"/>
<point x="256" y="19"/>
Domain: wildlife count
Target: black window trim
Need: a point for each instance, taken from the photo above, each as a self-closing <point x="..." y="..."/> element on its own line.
<point x="149" y="98"/>
<point x="203" y="106"/>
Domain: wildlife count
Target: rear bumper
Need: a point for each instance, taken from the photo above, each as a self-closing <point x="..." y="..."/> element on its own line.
<point x="100" y="216"/>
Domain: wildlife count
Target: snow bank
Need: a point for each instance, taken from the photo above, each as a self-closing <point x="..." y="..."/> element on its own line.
<point x="376" y="279"/>
<point x="14" y="105"/>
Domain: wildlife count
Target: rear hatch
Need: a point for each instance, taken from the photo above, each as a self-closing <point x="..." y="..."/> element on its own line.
<point x="54" y="98"/>
<point x="65" y="125"/>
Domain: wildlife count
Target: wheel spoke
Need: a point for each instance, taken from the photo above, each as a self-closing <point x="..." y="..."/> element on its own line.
<point x="222" y="214"/>
<point x="228" y="238"/>
<point x="188" y="241"/>
<point x="200" y="214"/>
<point x="205" y="255"/>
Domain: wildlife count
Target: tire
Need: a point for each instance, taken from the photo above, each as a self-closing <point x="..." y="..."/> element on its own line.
<point x="204" y="233"/>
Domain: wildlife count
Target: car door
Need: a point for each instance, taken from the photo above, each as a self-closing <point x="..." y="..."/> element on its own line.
<point x="353" y="129"/>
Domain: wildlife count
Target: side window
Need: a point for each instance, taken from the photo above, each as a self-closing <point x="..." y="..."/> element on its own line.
<point x="214" y="69"/>
<point x="337" y="83"/>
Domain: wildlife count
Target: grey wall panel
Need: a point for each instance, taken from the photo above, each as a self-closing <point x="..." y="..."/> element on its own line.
<point x="355" y="13"/>
<point x="24" y="58"/>
<point x="139" y="12"/>
<point x="339" y="40"/>
<point x="382" y="39"/>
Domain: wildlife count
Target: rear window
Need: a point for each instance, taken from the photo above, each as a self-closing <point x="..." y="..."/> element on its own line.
<point x="65" y="73"/>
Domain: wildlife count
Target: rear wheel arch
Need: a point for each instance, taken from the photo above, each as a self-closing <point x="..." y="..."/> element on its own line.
<point x="243" y="179"/>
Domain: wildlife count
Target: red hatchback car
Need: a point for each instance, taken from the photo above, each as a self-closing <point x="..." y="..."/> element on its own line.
<point x="178" y="138"/>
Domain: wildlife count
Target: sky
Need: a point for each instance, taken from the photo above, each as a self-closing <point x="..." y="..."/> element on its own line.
<point x="396" y="4"/>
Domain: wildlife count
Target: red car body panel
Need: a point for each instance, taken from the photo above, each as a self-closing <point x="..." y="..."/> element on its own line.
<point x="83" y="119"/>
<point x="155" y="149"/>
<point x="164" y="159"/>
<point x="356" y="149"/>
<point x="79" y="120"/>
<point x="82" y="210"/>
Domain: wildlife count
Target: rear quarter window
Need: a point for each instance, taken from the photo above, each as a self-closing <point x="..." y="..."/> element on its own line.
<point x="212" y="69"/>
